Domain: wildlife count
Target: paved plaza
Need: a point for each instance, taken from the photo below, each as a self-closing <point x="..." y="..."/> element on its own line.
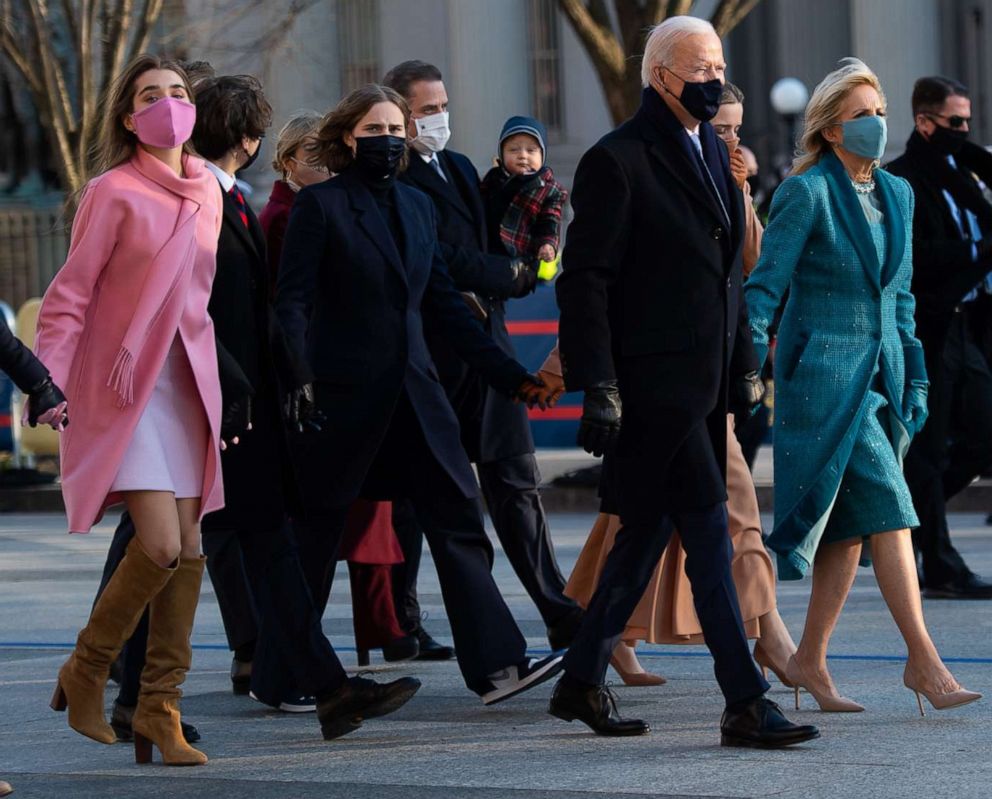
<point x="445" y="744"/>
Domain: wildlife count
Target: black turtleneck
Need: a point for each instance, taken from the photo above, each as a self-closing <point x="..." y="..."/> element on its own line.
<point x="383" y="191"/>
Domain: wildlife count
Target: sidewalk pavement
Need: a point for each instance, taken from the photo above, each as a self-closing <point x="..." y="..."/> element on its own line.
<point x="445" y="744"/>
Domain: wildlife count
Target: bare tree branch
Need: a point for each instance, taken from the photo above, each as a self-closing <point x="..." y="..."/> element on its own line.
<point x="729" y="14"/>
<point x="607" y="53"/>
<point x="150" y="12"/>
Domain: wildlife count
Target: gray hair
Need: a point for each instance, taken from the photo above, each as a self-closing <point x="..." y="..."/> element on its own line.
<point x="663" y="39"/>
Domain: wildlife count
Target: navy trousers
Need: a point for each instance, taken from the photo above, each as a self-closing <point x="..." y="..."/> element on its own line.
<point x="625" y="577"/>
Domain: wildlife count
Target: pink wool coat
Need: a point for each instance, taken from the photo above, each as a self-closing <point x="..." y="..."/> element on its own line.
<point x="128" y="218"/>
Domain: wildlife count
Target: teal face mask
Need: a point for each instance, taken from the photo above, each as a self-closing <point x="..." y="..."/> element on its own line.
<point x="865" y="136"/>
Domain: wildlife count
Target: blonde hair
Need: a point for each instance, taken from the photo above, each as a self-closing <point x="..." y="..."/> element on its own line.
<point x="663" y="39"/>
<point x="824" y="109"/>
<point x="297" y="128"/>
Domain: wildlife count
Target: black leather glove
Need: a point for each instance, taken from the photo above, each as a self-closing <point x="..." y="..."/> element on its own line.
<point x="746" y="394"/>
<point x="300" y="409"/>
<point x="600" y="424"/>
<point x="524" y="275"/>
<point x="42" y="398"/>
<point x="236" y="418"/>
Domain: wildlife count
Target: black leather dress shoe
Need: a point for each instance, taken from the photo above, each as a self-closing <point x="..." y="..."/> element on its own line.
<point x="406" y="647"/>
<point x="240" y="677"/>
<point x="563" y="631"/>
<point x="759" y="724"/>
<point x="431" y="649"/>
<point x="120" y="720"/>
<point x="967" y="586"/>
<point x="358" y="699"/>
<point x="596" y="706"/>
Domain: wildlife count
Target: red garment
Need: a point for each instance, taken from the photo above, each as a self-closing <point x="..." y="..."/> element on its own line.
<point x="274" y="219"/>
<point x="374" y="618"/>
<point x="368" y="534"/>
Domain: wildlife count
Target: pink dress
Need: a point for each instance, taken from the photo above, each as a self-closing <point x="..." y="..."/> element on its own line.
<point x="168" y="448"/>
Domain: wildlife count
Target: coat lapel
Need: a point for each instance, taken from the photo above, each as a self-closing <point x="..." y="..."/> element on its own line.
<point x="232" y="218"/>
<point x="895" y="227"/>
<point x="673" y="153"/>
<point x="436" y="186"/>
<point x="370" y="220"/>
<point x="848" y="210"/>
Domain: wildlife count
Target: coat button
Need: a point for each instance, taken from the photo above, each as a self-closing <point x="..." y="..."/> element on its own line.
<point x="728" y="282"/>
<point x="717" y="232"/>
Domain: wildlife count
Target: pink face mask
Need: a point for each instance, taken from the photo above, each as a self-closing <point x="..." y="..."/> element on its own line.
<point x="165" y="123"/>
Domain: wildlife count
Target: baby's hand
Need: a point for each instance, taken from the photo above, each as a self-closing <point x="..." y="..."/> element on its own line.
<point x="546" y="253"/>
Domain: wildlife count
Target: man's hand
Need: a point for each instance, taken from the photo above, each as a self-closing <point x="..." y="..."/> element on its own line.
<point x="529" y="392"/>
<point x="600" y="424"/>
<point x="524" y="276"/>
<point x="546" y="252"/>
<point x="554" y="387"/>
<point x="300" y="409"/>
<point x="47" y="405"/>
<point x="746" y="394"/>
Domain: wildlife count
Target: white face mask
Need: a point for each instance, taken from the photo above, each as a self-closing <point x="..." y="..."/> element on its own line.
<point x="432" y="133"/>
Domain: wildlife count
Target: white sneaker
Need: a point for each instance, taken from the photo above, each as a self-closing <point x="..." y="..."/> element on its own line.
<point x="298" y="704"/>
<point x="514" y="680"/>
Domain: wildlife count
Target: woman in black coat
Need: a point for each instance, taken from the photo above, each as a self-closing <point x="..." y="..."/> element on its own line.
<point x="360" y="271"/>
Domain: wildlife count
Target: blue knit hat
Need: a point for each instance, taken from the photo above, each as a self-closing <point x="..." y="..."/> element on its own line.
<point x="528" y="125"/>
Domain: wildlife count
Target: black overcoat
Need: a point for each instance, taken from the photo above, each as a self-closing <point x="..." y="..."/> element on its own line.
<point x="493" y="427"/>
<point x="18" y="361"/>
<point x="252" y="358"/>
<point x="355" y="306"/>
<point x="944" y="270"/>
<point x="650" y="295"/>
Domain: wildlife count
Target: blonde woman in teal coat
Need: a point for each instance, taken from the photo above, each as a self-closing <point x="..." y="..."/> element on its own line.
<point x="849" y="377"/>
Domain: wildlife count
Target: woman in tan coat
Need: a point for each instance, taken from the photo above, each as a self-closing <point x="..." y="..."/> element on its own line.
<point x="665" y="614"/>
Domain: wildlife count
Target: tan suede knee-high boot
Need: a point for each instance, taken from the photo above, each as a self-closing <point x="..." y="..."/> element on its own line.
<point x="156" y="720"/>
<point x="83" y="677"/>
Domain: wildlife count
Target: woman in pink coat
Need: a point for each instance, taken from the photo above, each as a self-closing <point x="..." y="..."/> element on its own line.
<point x="124" y="327"/>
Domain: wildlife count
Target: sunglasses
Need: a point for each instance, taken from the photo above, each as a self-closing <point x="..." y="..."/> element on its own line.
<point x="953" y="121"/>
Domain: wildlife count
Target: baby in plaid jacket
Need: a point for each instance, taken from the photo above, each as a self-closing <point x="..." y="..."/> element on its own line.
<point x="523" y="199"/>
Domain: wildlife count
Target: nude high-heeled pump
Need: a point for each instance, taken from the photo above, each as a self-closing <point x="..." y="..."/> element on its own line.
<point x="634" y="678"/>
<point x="827" y="703"/>
<point x="938" y="701"/>
<point x="764" y="660"/>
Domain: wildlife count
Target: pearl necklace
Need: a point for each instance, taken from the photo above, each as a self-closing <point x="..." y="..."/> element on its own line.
<point x="866" y="187"/>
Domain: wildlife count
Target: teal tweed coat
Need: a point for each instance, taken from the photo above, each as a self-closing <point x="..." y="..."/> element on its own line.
<point x="846" y="316"/>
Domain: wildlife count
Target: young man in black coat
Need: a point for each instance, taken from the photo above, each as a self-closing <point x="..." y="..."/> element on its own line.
<point x="653" y="317"/>
<point x="32" y="378"/>
<point x="952" y="256"/>
<point x="495" y="430"/>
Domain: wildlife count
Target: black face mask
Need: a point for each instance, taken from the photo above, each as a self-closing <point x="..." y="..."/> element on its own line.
<point x="251" y="158"/>
<point x="378" y="157"/>
<point x="701" y="100"/>
<point x="948" y="141"/>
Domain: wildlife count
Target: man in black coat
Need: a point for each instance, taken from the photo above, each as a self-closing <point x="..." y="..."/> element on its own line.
<point x="495" y="430"/>
<point x="952" y="255"/>
<point x="32" y="378"/>
<point x="653" y="317"/>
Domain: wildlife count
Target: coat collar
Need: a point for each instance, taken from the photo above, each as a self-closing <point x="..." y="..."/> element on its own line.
<point x="195" y="185"/>
<point x="375" y="227"/>
<point x="852" y="217"/>
<point x="669" y="143"/>
<point x="282" y="194"/>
